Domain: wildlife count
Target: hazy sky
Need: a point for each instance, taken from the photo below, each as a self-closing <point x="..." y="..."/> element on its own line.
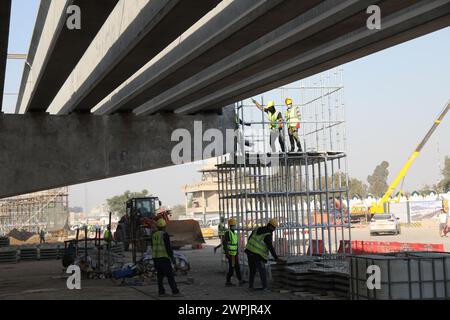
<point x="391" y="97"/>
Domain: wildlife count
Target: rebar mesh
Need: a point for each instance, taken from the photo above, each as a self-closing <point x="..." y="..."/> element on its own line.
<point x="307" y="192"/>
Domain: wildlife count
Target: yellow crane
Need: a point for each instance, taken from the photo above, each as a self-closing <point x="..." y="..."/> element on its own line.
<point x="378" y="207"/>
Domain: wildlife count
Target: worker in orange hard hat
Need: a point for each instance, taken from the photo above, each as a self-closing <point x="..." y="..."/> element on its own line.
<point x="259" y="245"/>
<point x="293" y="124"/>
<point x="230" y="245"/>
<point x="275" y="123"/>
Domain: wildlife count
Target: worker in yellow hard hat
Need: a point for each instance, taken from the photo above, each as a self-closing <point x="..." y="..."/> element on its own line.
<point x="259" y="245"/>
<point x="293" y="124"/>
<point x="163" y="258"/>
<point x="275" y="124"/>
<point x="230" y="245"/>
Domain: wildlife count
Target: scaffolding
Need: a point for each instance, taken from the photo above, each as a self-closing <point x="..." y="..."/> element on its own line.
<point x="307" y="191"/>
<point x="47" y="210"/>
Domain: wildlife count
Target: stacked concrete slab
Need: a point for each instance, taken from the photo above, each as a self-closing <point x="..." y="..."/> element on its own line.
<point x="4" y="242"/>
<point x="28" y="253"/>
<point x="8" y="255"/>
<point x="313" y="274"/>
<point x="50" y="252"/>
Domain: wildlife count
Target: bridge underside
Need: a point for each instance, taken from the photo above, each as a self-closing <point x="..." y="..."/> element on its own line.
<point x="41" y="152"/>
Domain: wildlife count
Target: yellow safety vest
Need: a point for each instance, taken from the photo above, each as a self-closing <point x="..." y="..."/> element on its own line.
<point x="232" y="248"/>
<point x="107" y="236"/>
<point x="292" y="117"/>
<point x="221" y="229"/>
<point x="273" y="119"/>
<point x="158" y="245"/>
<point x="257" y="245"/>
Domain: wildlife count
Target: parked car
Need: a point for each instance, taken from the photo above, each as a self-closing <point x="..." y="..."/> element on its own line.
<point x="384" y="223"/>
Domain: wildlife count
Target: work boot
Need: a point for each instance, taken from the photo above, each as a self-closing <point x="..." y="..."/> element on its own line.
<point x="177" y="295"/>
<point x="229" y="284"/>
<point x="242" y="282"/>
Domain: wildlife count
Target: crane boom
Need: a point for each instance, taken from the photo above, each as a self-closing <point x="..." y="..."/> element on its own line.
<point x="379" y="207"/>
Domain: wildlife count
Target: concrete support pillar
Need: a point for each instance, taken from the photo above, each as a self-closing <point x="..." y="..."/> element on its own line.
<point x="40" y="151"/>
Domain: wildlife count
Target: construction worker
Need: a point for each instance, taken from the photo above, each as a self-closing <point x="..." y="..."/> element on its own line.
<point x="42" y="236"/>
<point x="259" y="245"/>
<point x="275" y="123"/>
<point x="163" y="257"/>
<point x="230" y="244"/>
<point x="293" y="123"/>
<point x="221" y="232"/>
<point x="107" y="235"/>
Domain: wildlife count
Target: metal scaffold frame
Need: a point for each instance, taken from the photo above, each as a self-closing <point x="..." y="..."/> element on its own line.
<point x="307" y="192"/>
<point x="31" y="212"/>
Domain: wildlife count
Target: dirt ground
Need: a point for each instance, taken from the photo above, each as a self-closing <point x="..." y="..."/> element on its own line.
<point x="46" y="280"/>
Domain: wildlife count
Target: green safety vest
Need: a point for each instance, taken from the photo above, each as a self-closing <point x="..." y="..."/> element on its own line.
<point x="232" y="248"/>
<point x="257" y="245"/>
<point x="292" y="117"/>
<point x="158" y="245"/>
<point x="107" y="236"/>
<point x="221" y="229"/>
<point x="273" y="119"/>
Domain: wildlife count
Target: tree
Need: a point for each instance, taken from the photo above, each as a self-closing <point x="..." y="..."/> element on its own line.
<point x="177" y="211"/>
<point x="444" y="184"/>
<point x="338" y="181"/>
<point x="378" y="180"/>
<point x="426" y="189"/>
<point x="357" y="188"/>
<point x="116" y="204"/>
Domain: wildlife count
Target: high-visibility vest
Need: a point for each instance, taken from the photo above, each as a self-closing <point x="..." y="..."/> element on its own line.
<point x="273" y="119"/>
<point x="257" y="245"/>
<point x="158" y="245"/>
<point x="107" y="236"/>
<point x="232" y="247"/>
<point x="221" y="229"/>
<point x="292" y="117"/>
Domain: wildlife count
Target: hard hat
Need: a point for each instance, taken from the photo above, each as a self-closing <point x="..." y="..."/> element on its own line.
<point x="288" y="101"/>
<point x="161" y="223"/>
<point x="270" y="104"/>
<point x="232" y="222"/>
<point x="273" y="222"/>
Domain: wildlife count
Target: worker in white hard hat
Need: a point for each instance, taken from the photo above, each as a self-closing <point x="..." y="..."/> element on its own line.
<point x="275" y="123"/>
<point x="259" y="245"/>
<point x="293" y="124"/>
<point x="230" y="245"/>
<point x="163" y="258"/>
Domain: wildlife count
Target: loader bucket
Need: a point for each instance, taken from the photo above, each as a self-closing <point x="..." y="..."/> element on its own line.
<point x="184" y="232"/>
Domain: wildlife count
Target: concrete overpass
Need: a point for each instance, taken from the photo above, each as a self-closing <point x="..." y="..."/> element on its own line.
<point x="169" y="71"/>
<point x="329" y="34"/>
<point x="132" y="35"/>
<point x="53" y="50"/>
<point x="5" y="13"/>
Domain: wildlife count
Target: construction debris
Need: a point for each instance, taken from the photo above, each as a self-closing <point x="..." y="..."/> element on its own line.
<point x="21" y="235"/>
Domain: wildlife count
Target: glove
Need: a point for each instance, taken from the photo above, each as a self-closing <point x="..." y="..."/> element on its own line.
<point x="298" y="125"/>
